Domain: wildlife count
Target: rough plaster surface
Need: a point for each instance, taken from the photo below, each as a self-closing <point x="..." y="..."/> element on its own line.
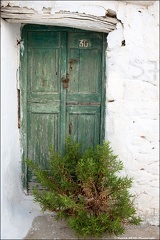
<point x="132" y="116"/>
<point x="17" y="210"/>
<point x="131" y="107"/>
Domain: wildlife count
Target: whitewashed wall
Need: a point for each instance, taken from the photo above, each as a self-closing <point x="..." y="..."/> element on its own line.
<point x="17" y="210"/>
<point x="131" y="106"/>
<point x="132" y="121"/>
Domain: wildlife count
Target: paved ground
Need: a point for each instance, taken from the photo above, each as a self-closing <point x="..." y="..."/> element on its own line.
<point x="46" y="227"/>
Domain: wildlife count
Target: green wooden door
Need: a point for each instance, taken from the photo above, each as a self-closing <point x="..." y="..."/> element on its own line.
<point x="62" y="90"/>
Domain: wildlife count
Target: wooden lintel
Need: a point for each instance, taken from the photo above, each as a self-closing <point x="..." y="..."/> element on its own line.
<point x="70" y="19"/>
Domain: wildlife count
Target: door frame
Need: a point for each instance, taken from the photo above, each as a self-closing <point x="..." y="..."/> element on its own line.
<point x="23" y="89"/>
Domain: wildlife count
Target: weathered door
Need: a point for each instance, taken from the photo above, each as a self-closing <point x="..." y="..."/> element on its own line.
<point x="62" y="90"/>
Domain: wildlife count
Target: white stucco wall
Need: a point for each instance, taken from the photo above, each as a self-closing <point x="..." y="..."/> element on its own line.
<point x="17" y="210"/>
<point x="132" y="122"/>
<point x="131" y="107"/>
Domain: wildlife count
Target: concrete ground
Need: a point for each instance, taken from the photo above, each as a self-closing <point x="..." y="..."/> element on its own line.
<point x="46" y="227"/>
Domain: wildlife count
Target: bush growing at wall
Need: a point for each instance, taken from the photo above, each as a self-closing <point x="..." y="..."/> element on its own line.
<point x="85" y="190"/>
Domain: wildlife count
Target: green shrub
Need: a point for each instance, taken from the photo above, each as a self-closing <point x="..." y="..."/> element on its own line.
<point x="84" y="189"/>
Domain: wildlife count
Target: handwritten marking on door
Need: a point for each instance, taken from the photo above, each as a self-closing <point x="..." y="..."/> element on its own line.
<point x="83" y="43"/>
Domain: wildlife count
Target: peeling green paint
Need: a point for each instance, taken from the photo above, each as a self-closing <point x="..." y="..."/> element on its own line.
<point x="51" y="109"/>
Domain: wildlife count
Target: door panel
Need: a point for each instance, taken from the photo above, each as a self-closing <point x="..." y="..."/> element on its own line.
<point x="84" y="124"/>
<point x="88" y="68"/>
<point x="84" y="92"/>
<point x="53" y="111"/>
<point x="92" y="40"/>
<point x="43" y="39"/>
<point x="80" y="66"/>
<point x="43" y="70"/>
<point x="42" y="132"/>
<point x="84" y="66"/>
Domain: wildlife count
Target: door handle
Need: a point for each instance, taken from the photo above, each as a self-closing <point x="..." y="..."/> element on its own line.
<point x="65" y="81"/>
